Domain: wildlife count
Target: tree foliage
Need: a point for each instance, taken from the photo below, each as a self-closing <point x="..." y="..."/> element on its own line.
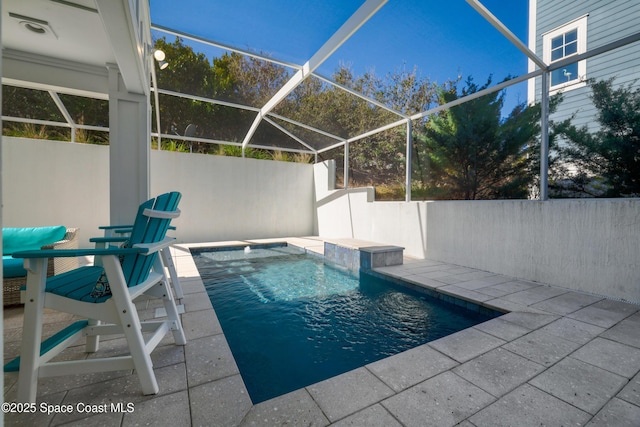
<point x="612" y="153"/>
<point x="473" y="153"/>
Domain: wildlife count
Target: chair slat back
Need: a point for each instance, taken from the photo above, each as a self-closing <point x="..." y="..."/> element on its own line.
<point x="148" y="229"/>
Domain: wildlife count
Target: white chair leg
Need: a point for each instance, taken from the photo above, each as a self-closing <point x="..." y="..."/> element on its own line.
<point x="167" y="259"/>
<point x="169" y="302"/>
<point x="33" y="316"/>
<point x="93" y="341"/>
<point x="131" y="326"/>
<point x="141" y="358"/>
<point x="173" y="315"/>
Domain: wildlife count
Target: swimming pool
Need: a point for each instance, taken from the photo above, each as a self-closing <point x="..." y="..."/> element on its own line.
<point x="292" y="320"/>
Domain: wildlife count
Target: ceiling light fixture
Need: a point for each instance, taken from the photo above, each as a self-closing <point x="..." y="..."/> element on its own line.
<point x="34" y="25"/>
<point x="160" y="56"/>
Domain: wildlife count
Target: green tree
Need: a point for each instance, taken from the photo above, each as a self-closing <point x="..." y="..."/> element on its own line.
<point x="379" y="158"/>
<point x="188" y="73"/>
<point x="473" y="153"/>
<point x="611" y="154"/>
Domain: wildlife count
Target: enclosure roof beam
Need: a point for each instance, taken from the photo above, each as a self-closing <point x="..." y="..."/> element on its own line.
<point x="478" y="94"/>
<point x="439" y="108"/>
<point x="360" y="95"/>
<point x="289" y="134"/>
<point x="311" y="128"/>
<point x="223" y="46"/>
<point x="498" y="25"/>
<point x="248" y="53"/>
<point x="208" y="100"/>
<point x="357" y="20"/>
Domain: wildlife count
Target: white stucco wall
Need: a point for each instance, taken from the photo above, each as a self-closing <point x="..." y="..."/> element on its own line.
<point x="230" y="198"/>
<point x="589" y="245"/>
<point x="582" y="244"/>
<point x="223" y="198"/>
<point x="55" y="183"/>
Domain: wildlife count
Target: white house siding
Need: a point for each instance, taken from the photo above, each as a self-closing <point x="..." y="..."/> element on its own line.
<point x="607" y="21"/>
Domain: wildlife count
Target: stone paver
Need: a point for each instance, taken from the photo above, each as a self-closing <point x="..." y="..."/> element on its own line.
<point x="626" y="332"/>
<point x="373" y="416"/>
<point x="567" y="303"/>
<point x="209" y="359"/>
<point x="466" y="344"/>
<point x="631" y="393"/>
<point x="542" y="348"/>
<point x="617" y="413"/>
<point x="293" y="409"/>
<point x="502" y="329"/>
<point x="584" y="386"/>
<point x="528" y="406"/>
<point x="534" y="295"/>
<point x="560" y="358"/>
<point x="498" y="371"/>
<point x="610" y="355"/>
<point x="573" y="330"/>
<point x="444" y="400"/>
<point x="411" y="367"/>
<point x="604" y="313"/>
<point x="348" y="393"/>
<point x="170" y="410"/>
<point x="529" y="320"/>
<point x="226" y="401"/>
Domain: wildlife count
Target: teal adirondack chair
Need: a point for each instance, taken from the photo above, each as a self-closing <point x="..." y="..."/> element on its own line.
<point x="120" y="233"/>
<point x="103" y="294"/>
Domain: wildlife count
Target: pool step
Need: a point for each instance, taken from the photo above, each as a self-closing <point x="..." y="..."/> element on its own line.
<point x="356" y="255"/>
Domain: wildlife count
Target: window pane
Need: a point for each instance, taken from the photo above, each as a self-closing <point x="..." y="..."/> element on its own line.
<point x="557" y="78"/>
<point x="564" y="75"/>
<point x="556" y="42"/>
<point x="556" y="54"/>
<point x="571" y="48"/>
<point x="571" y="36"/>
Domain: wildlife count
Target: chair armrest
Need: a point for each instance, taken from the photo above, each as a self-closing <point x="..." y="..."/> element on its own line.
<point x="113" y="239"/>
<point x="154" y="247"/>
<point x="113" y="227"/>
<point x="124" y="228"/>
<point x="53" y="253"/>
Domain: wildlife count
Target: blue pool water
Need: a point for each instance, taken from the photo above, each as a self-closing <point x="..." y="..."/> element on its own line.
<point x="292" y="320"/>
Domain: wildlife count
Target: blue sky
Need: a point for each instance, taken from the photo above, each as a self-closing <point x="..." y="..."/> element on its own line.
<point x="442" y="39"/>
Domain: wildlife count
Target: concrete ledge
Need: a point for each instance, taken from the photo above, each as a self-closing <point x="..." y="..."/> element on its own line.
<point x="356" y="254"/>
<point x="380" y="256"/>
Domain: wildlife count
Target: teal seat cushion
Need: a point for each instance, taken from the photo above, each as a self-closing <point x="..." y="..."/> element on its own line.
<point x="30" y="238"/>
<point x="13" y="267"/>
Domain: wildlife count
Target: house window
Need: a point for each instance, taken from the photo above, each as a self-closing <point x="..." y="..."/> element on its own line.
<point x="564" y="42"/>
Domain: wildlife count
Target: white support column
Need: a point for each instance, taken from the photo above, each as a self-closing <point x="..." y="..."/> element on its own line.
<point x="129" y="149"/>
<point x="408" y="167"/>
<point x="1" y="223"/>
<point x="544" y="137"/>
<point x="346" y="164"/>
